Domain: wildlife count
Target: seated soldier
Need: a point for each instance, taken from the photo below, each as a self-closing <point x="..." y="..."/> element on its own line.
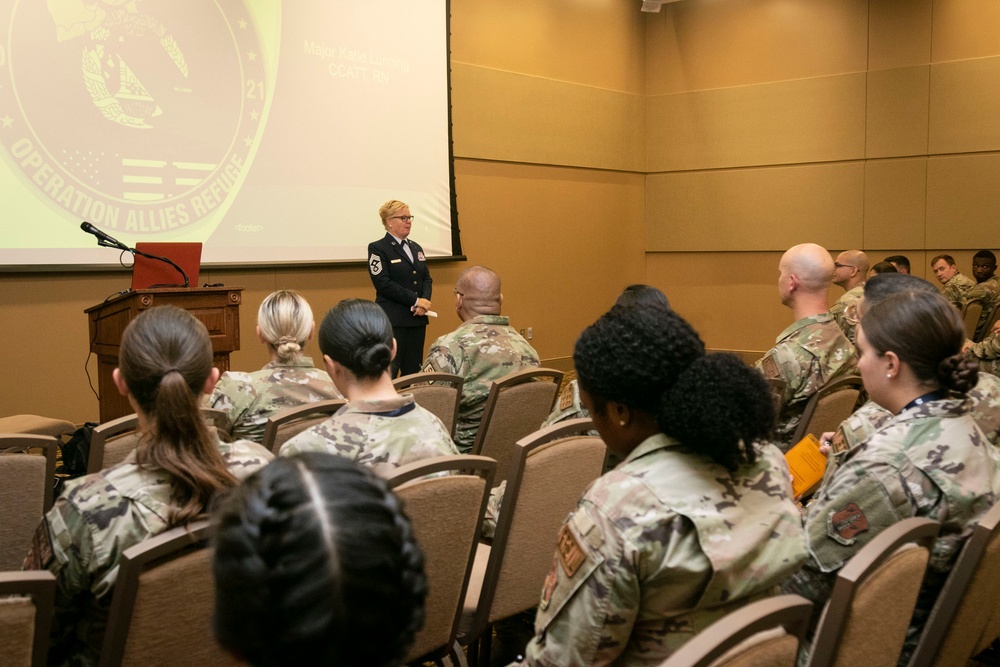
<point x="813" y="350"/>
<point x="987" y="289"/>
<point x="956" y="286"/>
<point x="485" y="348"/>
<point x="901" y="263"/>
<point x="987" y="351"/>
<point x="882" y="267"/>
<point x="850" y="271"/>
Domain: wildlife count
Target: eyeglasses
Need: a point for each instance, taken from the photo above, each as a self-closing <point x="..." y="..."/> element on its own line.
<point x="844" y="266"/>
<point x="404" y="218"/>
<point x="457" y="292"/>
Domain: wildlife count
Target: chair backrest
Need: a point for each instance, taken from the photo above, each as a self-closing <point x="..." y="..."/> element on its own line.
<point x="162" y="602"/>
<point x="441" y="398"/>
<point x="36" y="425"/>
<point x="970" y="315"/>
<point x="516" y="407"/>
<point x="26" y="485"/>
<point x="285" y="424"/>
<point x="991" y="319"/>
<point x="766" y="633"/>
<point x="877" y="588"/>
<point x="25" y="621"/>
<point x="111" y="442"/>
<point x="960" y="624"/>
<point x="549" y="471"/>
<point x="829" y="406"/>
<point x="446" y="512"/>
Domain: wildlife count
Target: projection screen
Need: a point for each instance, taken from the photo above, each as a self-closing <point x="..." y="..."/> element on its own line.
<point x="269" y="131"/>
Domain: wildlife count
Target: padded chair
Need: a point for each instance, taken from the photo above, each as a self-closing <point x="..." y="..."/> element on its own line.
<point x="285" y="424"/>
<point x="970" y="316"/>
<point x="549" y="471"/>
<point x="112" y="442"/>
<point x="162" y="603"/>
<point x="26" y="485"/>
<point x="25" y="620"/>
<point x="441" y="398"/>
<point x="960" y="624"/>
<point x="829" y="406"/>
<point x="36" y="425"/>
<point x="446" y="512"/>
<point x="516" y="407"/>
<point x="868" y="613"/>
<point x="766" y="633"/>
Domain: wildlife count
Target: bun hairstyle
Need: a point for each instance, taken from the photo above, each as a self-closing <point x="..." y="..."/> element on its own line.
<point x="925" y="332"/>
<point x="165" y="359"/>
<point x="357" y="334"/>
<point x="285" y="321"/>
<point x="315" y="563"/>
<point x="650" y="359"/>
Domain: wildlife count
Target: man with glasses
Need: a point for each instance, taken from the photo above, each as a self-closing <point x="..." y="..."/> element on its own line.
<point x="849" y="272"/>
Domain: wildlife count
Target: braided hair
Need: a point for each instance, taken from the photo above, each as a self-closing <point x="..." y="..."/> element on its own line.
<point x="316" y="563"/>
<point x="285" y="321"/>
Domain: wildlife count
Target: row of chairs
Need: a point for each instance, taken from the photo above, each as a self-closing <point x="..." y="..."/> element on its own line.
<point x="866" y="619"/>
<point x="162" y="600"/>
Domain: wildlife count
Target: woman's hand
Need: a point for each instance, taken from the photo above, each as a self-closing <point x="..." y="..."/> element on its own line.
<point x="423" y="305"/>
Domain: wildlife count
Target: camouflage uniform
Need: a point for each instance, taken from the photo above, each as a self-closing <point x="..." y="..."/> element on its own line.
<point x="569" y="406"/>
<point x="250" y="398"/>
<point x="988" y="353"/>
<point x="82" y="537"/>
<point x="482" y="350"/>
<point x="663" y="545"/>
<point x="956" y="289"/>
<point x="931" y="460"/>
<point x="988" y="292"/>
<point x="382" y="434"/>
<point x="807" y="355"/>
<point x="984" y="408"/>
<point x="845" y="310"/>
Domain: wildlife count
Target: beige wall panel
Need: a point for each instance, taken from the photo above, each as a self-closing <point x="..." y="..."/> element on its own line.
<point x="731" y="298"/>
<point x="962" y="207"/>
<point x="899" y="33"/>
<point x="895" y="198"/>
<point x="965" y="106"/>
<point x="812" y="120"/>
<point x="698" y="45"/>
<point x="504" y="116"/>
<point x="897" y="112"/>
<point x="756" y="209"/>
<point x="564" y="241"/>
<point x="965" y="29"/>
<point x="597" y="43"/>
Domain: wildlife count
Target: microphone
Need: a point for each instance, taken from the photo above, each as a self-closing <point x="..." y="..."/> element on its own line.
<point x="102" y="238"/>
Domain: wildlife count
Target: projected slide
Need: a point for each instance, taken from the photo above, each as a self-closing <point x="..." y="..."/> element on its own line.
<point x="270" y="131"/>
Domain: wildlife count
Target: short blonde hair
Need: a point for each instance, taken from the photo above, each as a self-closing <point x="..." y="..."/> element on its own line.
<point x="390" y="208"/>
<point x="285" y="321"/>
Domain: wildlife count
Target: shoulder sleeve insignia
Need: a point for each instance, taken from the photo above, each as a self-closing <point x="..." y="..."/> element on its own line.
<point x="571" y="554"/>
<point x="550" y="585"/>
<point x="769" y="367"/>
<point x="375" y="264"/>
<point x="846" y="523"/>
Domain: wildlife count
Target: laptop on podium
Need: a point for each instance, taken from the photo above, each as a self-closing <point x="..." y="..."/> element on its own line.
<point x="151" y="273"/>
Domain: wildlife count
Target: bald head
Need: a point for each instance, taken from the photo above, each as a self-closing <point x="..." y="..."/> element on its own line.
<point x="810" y="265"/>
<point x="479" y="290"/>
<point x="851" y="269"/>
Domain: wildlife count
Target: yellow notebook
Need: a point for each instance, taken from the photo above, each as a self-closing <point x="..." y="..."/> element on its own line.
<point x="807" y="465"/>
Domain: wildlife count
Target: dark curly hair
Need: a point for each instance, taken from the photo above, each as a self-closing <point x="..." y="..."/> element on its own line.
<point x="357" y="334"/>
<point x="652" y="360"/>
<point x="315" y="563"/>
<point x="925" y="332"/>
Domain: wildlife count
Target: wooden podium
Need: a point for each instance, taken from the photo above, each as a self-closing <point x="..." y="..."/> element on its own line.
<point x="217" y="307"/>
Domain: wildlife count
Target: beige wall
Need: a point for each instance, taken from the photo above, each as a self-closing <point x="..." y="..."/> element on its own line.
<point x="548" y="110"/>
<point x="849" y="123"/>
